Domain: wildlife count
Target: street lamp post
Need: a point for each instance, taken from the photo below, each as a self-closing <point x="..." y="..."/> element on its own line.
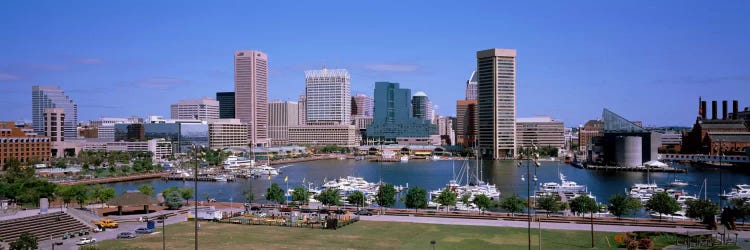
<point x="195" y="179"/>
<point x="535" y="157"/>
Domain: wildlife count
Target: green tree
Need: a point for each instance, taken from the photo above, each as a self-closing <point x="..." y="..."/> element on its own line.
<point x="301" y="195"/>
<point x="249" y="195"/>
<point x="329" y="197"/>
<point x="86" y="167"/>
<point x="26" y="241"/>
<point x="173" y="200"/>
<point x="465" y="199"/>
<point x="103" y="194"/>
<point x="662" y="203"/>
<point x="550" y="204"/>
<point x="357" y="198"/>
<point x="386" y="196"/>
<point x="513" y="204"/>
<point x="621" y="204"/>
<point x="187" y="193"/>
<point x="146" y="189"/>
<point x="703" y="210"/>
<point x="14" y="172"/>
<point x="583" y="204"/>
<point x="275" y="193"/>
<point x="80" y="194"/>
<point x="482" y="201"/>
<point x="415" y="198"/>
<point x="741" y="208"/>
<point x="447" y="198"/>
<point x="65" y="192"/>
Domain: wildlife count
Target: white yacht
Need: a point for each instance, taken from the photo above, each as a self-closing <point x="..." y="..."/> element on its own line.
<point x="644" y="191"/>
<point x="264" y="170"/>
<point x="678" y="183"/>
<point x="563" y="186"/>
<point x="234" y="162"/>
<point x="467" y="188"/>
<point x="739" y="191"/>
<point x="404" y="158"/>
<point x="220" y="178"/>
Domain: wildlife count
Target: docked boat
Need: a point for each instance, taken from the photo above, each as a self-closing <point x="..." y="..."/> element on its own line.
<point x="264" y="170"/>
<point x="644" y="191"/>
<point x="220" y="179"/>
<point x="563" y="186"/>
<point x="738" y="192"/>
<point x="404" y="158"/>
<point x="678" y="183"/>
<point x="473" y="186"/>
<point x="233" y="162"/>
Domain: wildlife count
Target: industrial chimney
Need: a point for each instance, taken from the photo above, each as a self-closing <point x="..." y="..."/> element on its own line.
<point x="724" y="109"/>
<point x="713" y="110"/>
<point x="704" y="111"/>
<point x="735" y="107"/>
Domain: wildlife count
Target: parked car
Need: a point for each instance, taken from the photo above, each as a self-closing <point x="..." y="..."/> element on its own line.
<point x="84" y="241"/>
<point x="144" y="230"/>
<point x="364" y="212"/>
<point x="126" y="235"/>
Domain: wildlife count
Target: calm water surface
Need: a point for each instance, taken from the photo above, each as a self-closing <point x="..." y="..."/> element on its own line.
<point x="435" y="174"/>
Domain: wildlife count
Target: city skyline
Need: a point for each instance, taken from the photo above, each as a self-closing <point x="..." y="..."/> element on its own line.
<point x="638" y="61"/>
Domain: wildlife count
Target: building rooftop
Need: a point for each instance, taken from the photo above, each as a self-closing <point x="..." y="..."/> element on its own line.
<point x="540" y="118"/>
<point x="420" y="93"/>
<point x="723" y="124"/>
<point x="729" y="136"/>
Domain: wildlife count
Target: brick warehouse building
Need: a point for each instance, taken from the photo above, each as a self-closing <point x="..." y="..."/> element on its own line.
<point x="22" y="144"/>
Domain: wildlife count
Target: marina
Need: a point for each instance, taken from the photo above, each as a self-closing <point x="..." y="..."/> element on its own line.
<point x="432" y="175"/>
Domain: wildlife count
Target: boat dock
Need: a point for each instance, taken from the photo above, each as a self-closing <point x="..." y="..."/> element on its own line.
<point x="190" y="178"/>
<point x="632" y="169"/>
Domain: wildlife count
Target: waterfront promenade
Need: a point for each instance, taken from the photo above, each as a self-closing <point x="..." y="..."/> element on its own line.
<point x="115" y="179"/>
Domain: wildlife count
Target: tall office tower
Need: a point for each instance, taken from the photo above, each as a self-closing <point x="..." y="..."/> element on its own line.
<point x="496" y="95"/>
<point x="328" y="99"/>
<point x="420" y="106"/>
<point x="43" y="97"/>
<point x="362" y="105"/>
<point x="471" y="86"/>
<point x="196" y="109"/>
<point x="393" y="116"/>
<point x="251" y="93"/>
<point x="53" y="124"/>
<point x="302" y="110"/>
<point x="281" y="115"/>
<point x="226" y="104"/>
<point x="466" y="123"/>
<point x="445" y="130"/>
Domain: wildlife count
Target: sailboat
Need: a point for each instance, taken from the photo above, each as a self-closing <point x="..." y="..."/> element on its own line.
<point x="677" y="182"/>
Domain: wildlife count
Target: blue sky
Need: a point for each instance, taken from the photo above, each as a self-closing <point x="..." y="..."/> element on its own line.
<point x="646" y="60"/>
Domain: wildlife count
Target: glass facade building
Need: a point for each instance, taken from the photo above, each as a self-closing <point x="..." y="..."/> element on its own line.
<point x="393" y="115"/>
<point x="182" y="134"/>
<point x="226" y="104"/>
<point x="43" y="97"/>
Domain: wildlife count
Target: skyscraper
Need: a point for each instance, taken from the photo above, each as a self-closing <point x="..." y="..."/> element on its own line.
<point x="471" y="86"/>
<point x="420" y="106"/>
<point x="466" y="123"/>
<point x="43" y="97"/>
<point x="393" y="115"/>
<point x="53" y="123"/>
<point x="226" y="104"/>
<point x="196" y="109"/>
<point x="251" y="93"/>
<point x="496" y="95"/>
<point x="362" y="105"/>
<point x="328" y="98"/>
<point x="281" y="116"/>
<point x="302" y="110"/>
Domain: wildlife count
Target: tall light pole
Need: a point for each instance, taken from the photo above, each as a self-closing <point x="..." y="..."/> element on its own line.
<point x="529" y="158"/>
<point x="196" y="150"/>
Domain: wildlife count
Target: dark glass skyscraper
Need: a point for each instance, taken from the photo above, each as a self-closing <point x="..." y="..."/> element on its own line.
<point x="226" y="104"/>
<point x="393" y="115"/>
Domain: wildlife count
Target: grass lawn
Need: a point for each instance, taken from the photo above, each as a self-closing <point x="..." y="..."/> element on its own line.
<point x="361" y="235"/>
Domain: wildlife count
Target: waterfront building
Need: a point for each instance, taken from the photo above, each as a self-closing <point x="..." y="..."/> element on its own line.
<point x="728" y="143"/>
<point x="23" y="144"/>
<point x="540" y="131"/>
<point x="571" y="138"/>
<point x="281" y="116"/>
<point x="251" y="93"/>
<point x="327" y="96"/>
<point x="590" y="130"/>
<point x="362" y="105"/>
<point x="225" y="133"/>
<point x="421" y="106"/>
<point x="445" y="130"/>
<point x="466" y="123"/>
<point x="671" y="141"/>
<point x="53" y="124"/>
<point x="113" y="120"/>
<point x="623" y="143"/>
<point x="302" y="110"/>
<point x="183" y="134"/>
<point x="496" y="96"/>
<point x="226" y="104"/>
<point x="697" y="141"/>
<point x="321" y="135"/>
<point x="471" y="87"/>
<point x="393" y="116"/>
<point x="43" y="97"/>
<point x="197" y="109"/>
<point x="161" y="149"/>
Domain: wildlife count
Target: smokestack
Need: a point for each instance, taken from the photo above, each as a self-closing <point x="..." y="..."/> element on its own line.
<point x="704" y="111"/>
<point x="735" y="107"/>
<point x="724" y="110"/>
<point x="713" y="110"/>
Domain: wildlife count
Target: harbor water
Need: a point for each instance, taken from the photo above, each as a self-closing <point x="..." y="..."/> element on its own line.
<point x="433" y="175"/>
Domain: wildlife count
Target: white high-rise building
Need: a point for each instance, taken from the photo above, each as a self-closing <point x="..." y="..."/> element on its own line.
<point x="471" y="86"/>
<point x="496" y="96"/>
<point x="282" y="115"/>
<point x="251" y="93"/>
<point x="43" y="97"/>
<point x="196" y="109"/>
<point x="328" y="98"/>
